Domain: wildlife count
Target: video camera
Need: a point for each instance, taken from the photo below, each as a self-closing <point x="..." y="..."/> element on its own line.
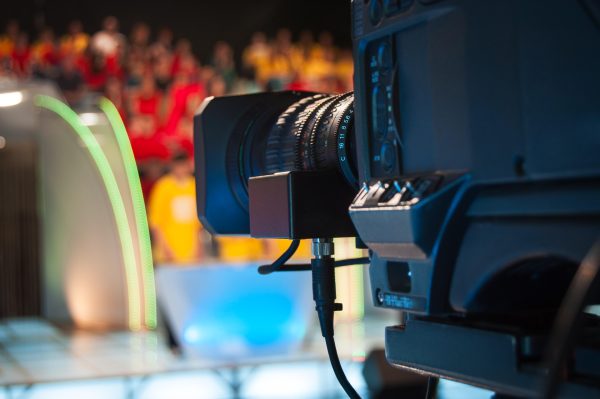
<point x="467" y="161"/>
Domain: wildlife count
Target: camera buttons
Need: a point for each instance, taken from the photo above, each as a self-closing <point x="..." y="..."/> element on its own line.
<point x="392" y="7"/>
<point x="384" y="55"/>
<point x="375" y="11"/>
<point x="379" y="110"/>
<point x="388" y="156"/>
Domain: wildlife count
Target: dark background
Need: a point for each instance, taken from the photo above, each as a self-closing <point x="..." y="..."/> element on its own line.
<point x="203" y="22"/>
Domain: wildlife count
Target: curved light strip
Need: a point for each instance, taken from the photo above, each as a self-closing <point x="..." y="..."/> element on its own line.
<point x="114" y="196"/>
<point x="137" y="197"/>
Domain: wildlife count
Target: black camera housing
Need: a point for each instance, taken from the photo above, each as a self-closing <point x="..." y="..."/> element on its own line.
<point x="477" y="129"/>
<point x="300" y="205"/>
<point x="242" y="143"/>
<point x="478" y="141"/>
<point x="495" y="105"/>
<point x="222" y="189"/>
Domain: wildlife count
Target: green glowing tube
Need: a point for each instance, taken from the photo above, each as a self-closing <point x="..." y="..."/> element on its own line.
<point x="114" y="196"/>
<point x="137" y="197"/>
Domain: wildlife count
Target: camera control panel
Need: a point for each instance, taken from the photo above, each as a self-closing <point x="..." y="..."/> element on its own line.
<point x="385" y="140"/>
<point x="399" y="217"/>
<point x="395" y="192"/>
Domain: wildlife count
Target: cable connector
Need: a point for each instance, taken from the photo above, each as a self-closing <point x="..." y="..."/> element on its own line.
<point x="323" y="279"/>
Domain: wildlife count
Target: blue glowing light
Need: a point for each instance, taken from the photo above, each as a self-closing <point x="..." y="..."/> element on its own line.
<point x="233" y="312"/>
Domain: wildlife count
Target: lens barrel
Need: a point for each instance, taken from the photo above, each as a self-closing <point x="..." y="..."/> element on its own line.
<point x="240" y="137"/>
<point x="314" y="133"/>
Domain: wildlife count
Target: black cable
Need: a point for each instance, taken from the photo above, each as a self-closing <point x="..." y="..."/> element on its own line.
<point x="301" y="267"/>
<point x="352" y="261"/>
<point x="273" y="267"/>
<point x="432" y="383"/>
<point x="569" y="320"/>
<point x="323" y="274"/>
<point x="337" y="368"/>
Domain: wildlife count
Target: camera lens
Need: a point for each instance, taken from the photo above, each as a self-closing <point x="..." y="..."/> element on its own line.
<point x="278" y="132"/>
<point x="315" y="133"/>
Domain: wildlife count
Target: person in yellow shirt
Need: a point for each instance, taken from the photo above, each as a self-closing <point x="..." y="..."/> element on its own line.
<point x="257" y="53"/>
<point x="246" y="249"/>
<point x="172" y="215"/>
<point x="75" y="41"/>
<point x="240" y="249"/>
<point x="277" y="247"/>
<point x="9" y="38"/>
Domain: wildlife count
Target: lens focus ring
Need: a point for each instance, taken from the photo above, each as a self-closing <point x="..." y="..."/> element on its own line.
<point x="280" y="151"/>
<point x="302" y="129"/>
<point x="315" y="133"/>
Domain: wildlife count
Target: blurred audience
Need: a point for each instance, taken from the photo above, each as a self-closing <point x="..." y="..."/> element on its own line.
<point x="70" y="80"/>
<point x="76" y="41"/>
<point x="157" y="84"/>
<point x="9" y="38"/>
<point x="108" y="42"/>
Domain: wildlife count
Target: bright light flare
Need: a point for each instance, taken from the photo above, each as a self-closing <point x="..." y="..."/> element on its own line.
<point x="11" y="98"/>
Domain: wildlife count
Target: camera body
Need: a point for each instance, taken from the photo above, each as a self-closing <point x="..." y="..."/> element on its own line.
<point x="477" y="128"/>
<point x="477" y="134"/>
<point x="468" y="162"/>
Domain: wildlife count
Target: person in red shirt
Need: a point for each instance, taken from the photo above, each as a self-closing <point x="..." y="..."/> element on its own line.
<point x="185" y="84"/>
<point x="161" y="70"/>
<point x="9" y="39"/>
<point x="183" y="50"/>
<point x="113" y="90"/>
<point x="148" y="100"/>
<point x="21" y="56"/>
<point x="184" y="132"/>
<point x="95" y="71"/>
<point x="151" y="157"/>
<point x="70" y="80"/>
<point x="113" y="66"/>
<point x="163" y="45"/>
<point x="142" y="127"/>
<point x="150" y="153"/>
<point x="45" y="50"/>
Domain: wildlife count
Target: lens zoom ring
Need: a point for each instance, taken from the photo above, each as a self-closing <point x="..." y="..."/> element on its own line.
<point x="280" y="152"/>
<point x="300" y="133"/>
<point x="326" y="136"/>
